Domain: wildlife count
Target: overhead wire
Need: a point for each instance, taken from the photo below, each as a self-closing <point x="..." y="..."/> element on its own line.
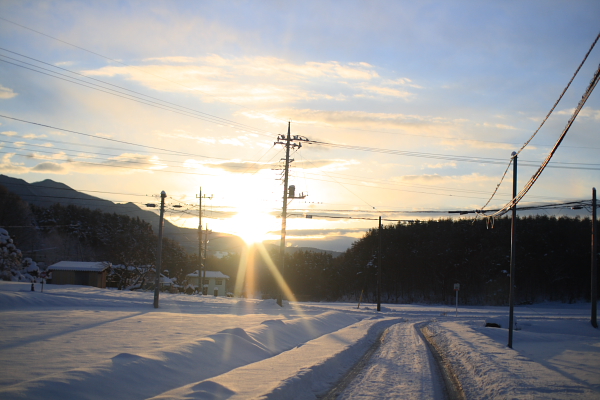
<point x="543" y="121"/>
<point x="480" y="160"/>
<point x="188" y="88"/>
<point x="148" y="100"/>
<point x="114" y="163"/>
<point x="124" y="64"/>
<point x="537" y="174"/>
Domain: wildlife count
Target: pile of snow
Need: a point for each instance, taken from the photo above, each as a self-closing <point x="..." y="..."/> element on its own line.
<point x="488" y="369"/>
<point x="90" y="343"/>
<point x="12" y="265"/>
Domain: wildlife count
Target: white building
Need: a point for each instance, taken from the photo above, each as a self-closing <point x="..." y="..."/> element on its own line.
<point x="215" y="282"/>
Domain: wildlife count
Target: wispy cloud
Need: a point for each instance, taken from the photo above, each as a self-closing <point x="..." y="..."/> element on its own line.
<point x="7" y="165"/>
<point x="244" y="167"/>
<point x="34" y="136"/>
<point x="261" y="79"/>
<point x="6" y="93"/>
<point x="365" y="120"/>
<point x="586" y="112"/>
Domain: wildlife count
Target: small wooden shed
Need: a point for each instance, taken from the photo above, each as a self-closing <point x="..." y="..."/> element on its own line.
<point x="79" y="273"/>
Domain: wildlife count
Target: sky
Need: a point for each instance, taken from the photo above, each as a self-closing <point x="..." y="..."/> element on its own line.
<point x="410" y="109"/>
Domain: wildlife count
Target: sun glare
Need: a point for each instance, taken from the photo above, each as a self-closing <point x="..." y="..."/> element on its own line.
<point x="252" y="226"/>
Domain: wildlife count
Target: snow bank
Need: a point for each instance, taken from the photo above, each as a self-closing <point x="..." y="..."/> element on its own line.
<point x="305" y="372"/>
<point x="488" y="369"/>
<point x="139" y="376"/>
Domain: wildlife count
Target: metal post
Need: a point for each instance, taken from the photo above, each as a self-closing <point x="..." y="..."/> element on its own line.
<point x="456" y="314"/>
<point x="594" y="261"/>
<point x="204" y="261"/>
<point x="379" y="261"/>
<point x="200" y="259"/>
<point x="513" y="246"/>
<point x="159" y="256"/>
<point x="284" y="214"/>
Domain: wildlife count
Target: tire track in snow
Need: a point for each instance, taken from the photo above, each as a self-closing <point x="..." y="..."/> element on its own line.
<point x="402" y="367"/>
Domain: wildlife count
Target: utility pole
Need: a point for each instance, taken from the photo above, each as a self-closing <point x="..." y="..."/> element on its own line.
<point x="204" y="261"/>
<point x="159" y="256"/>
<point x="513" y="247"/>
<point x="379" y="261"/>
<point x="594" y="261"/>
<point x="200" y="258"/>
<point x="289" y="142"/>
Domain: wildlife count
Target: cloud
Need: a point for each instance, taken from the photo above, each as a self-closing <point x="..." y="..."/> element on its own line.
<point x="260" y="79"/>
<point x="37" y="156"/>
<point x="231" y="141"/>
<point x="239" y="166"/>
<point x="7" y="165"/>
<point x="441" y="165"/>
<point x="49" y="167"/>
<point x="6" y="93"/>
<point x="33" y="136"/>
<point x="499" y="126"/>
<point x="125" y="163"/>
<point x="478" y="144"/>
<point x="446" y="179"/>
<point x="9" y="133"/>
<point x="181" y="134"/>
<point x="428" y="178"/>
<point x="586" y="112"/>
<point x="244" y="167"/>
<point x="364" y="120"/>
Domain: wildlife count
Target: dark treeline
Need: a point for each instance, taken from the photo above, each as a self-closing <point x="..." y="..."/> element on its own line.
<point x="423" y="260"/>
<point x="80" y="234"/>
<point x="73" y="233"/>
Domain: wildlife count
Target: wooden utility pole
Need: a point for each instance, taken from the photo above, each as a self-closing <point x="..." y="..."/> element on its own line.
<point x="200" y="254"/>
<point x="513" y="247"/>
<point x="159" y="256"/>
<point x="379" y="261"/>
<point x="204" y="261"/>
<point x="594" y="261"/>
<point x="289" y="143"/>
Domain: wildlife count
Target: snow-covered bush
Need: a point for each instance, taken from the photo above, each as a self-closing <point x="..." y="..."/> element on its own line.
<point x="12" y="265"/>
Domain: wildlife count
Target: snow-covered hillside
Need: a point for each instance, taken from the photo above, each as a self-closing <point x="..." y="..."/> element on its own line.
<point x="86" y="343"/>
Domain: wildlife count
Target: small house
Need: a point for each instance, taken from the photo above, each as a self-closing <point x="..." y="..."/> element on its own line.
<point x="215" y="282"/>
<point x="79" y="273"/>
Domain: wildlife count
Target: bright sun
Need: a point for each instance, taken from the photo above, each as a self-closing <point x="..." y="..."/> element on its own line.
<point x="252" y="226"/>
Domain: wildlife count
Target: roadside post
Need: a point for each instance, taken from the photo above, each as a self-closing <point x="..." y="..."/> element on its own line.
<point x="456" y="289"/>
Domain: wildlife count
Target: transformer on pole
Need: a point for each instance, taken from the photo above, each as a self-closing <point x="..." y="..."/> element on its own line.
<point x="288" y="193"/>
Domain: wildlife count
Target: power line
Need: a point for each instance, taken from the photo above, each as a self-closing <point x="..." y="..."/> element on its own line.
<point x="561" y="95"/>
<point x="122" y="63"/>
<point x="148" y="100"/>
<point x="480" y="160"/>
<point x="114" y="164"/>
<point x="543" y="121"/>
<point x="538" y="173"/>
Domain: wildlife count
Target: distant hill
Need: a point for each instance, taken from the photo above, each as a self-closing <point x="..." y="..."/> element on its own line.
<point x="292" y="250"/>
<point x="48" y="192"/>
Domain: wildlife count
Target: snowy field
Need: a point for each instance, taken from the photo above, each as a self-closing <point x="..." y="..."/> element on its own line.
<point x="84" y="343"/>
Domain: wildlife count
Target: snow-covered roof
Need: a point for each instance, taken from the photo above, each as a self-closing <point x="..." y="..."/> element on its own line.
<point x="94" y="266"/>
<point x="210" y="274"/>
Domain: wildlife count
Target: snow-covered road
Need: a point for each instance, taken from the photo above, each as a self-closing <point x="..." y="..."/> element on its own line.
<point x="86" y="343"/>
<point x="402" y="368"/>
